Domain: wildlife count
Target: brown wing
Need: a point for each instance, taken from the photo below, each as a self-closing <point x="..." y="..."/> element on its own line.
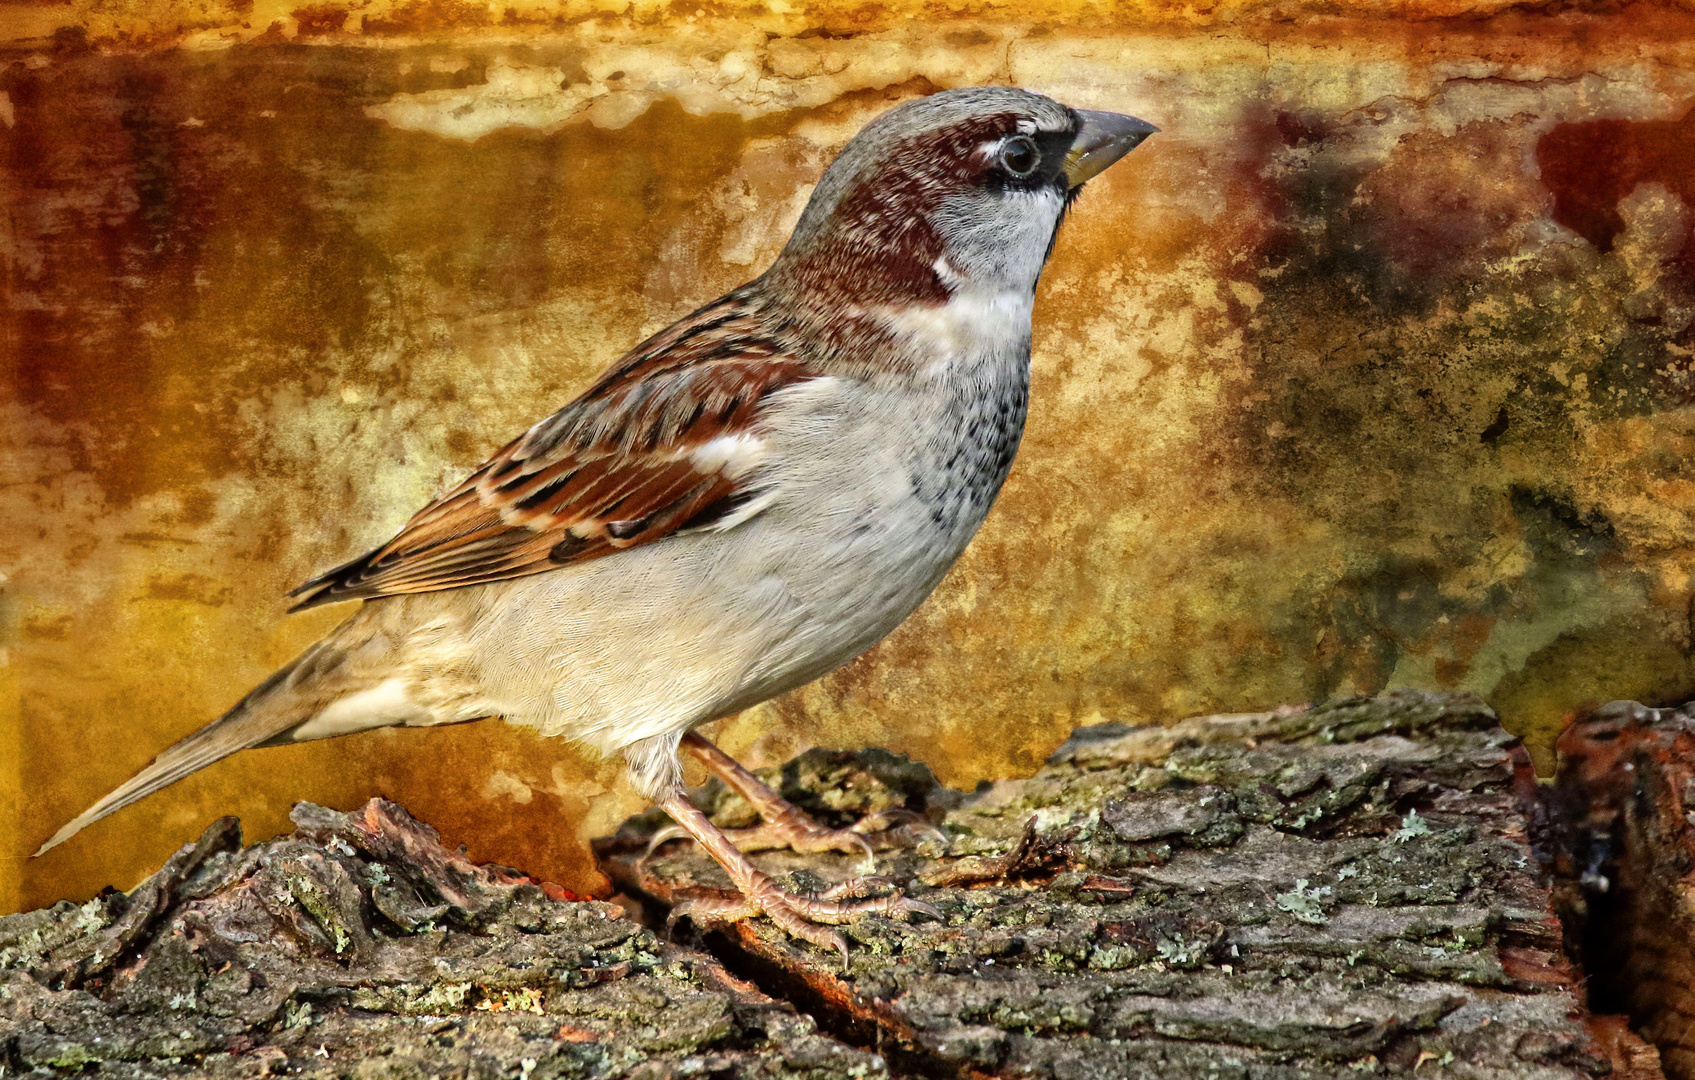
<point x="626" y="463"/>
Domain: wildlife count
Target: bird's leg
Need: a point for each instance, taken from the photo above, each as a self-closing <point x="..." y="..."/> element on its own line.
<point x="799" y="916"/>
<point x="784" y="825"/>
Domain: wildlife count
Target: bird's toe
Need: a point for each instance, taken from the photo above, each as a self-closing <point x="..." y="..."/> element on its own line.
<point x="804" y="836"/>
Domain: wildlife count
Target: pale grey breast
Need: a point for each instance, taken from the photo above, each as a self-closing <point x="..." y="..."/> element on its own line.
<point x="957" y="474"/>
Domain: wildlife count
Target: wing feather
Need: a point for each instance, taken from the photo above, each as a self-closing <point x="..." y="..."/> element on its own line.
<point x="618" y="467"/>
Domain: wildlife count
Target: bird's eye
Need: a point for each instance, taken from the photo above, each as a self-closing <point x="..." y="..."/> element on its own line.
<point x="1019" y="156"/>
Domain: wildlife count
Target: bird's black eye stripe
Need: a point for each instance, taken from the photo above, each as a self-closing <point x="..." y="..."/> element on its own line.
<point x="1020" y="156"/>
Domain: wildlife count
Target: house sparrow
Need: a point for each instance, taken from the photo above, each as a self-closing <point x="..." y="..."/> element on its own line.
<point x="742" y="503"/>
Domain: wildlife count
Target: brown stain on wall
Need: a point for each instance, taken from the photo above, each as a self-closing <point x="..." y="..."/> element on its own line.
<point x="1593" y="166"/>
<point x="1354" y="377"/>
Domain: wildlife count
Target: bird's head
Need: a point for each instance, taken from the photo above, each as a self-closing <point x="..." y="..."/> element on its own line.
<point x="964" y="188"/>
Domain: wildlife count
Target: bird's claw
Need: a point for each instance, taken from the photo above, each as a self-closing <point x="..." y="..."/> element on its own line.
<point x="900" y="819"/>
<point x="660" y="839"/>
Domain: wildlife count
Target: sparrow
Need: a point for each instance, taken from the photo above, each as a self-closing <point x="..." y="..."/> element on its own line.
<point x="742" y="503"/>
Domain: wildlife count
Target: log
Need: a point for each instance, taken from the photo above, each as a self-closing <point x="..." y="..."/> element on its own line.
<point x="1621" y="838"/>
<point x="361" y="946"/>
<point x="1324" y="892"/>
<point x="1366" y="887"/>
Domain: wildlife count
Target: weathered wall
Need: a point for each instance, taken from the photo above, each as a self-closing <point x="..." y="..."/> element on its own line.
<point x="1373" y="369"/>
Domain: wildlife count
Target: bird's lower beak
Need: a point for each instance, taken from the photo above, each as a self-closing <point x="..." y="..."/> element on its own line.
<point x="1103" y="139"/>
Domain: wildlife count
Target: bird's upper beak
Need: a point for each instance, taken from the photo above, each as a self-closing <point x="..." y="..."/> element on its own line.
<point x="1103" y="139"/>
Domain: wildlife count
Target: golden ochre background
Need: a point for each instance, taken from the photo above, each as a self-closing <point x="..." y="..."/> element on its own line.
<point x="1372" y="370"/>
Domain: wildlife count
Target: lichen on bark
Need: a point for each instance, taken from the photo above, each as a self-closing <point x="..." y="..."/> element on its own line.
<point x="1332" y="891"/>
<point x="1335" y="891"/>
<point x="360" y="946"/>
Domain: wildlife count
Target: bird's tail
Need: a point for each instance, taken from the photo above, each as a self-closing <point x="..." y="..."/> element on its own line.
<point x="281" y="703"/>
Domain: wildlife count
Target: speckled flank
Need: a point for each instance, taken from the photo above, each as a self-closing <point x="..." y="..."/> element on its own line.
<point x="1372" y="370"/>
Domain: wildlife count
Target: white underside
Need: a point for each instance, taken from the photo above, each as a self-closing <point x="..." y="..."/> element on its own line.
<point x="388" y="704"/>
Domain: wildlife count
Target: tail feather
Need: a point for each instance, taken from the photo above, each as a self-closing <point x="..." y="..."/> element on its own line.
<point x="271" y="709"/>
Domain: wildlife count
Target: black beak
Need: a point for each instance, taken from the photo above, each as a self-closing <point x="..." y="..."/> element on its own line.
<point x="1103" y="139"/>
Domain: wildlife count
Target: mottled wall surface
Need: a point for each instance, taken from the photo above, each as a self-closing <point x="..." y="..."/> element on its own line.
<point x="1374" y="369"/>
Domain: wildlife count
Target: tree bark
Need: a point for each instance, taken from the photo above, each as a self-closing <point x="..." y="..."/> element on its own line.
<point x="1621" y="839"/>
<point x="1339" y="891"/>
<point x="1330" y="892"/>
<point x="360" y="946"/>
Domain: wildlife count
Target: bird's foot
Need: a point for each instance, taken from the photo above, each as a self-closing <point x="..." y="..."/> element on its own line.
<point x="794" y="831"/>
<point x="899" y="826"/>
<point x="803" y="835"/>
<point x="806" y="917"/>
<point x="785" y="825"/>
<point x="799" y="832"/>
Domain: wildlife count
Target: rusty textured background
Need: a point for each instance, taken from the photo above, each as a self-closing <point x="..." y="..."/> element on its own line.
<point x="1373" y="370"/>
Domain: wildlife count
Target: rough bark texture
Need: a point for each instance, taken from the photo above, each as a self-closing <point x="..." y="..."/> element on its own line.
<point x="1306" y="893"/>
<point x="360" y="946"/>
<point x="1623" y="845"/>
<point x="1330" y="892"/>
